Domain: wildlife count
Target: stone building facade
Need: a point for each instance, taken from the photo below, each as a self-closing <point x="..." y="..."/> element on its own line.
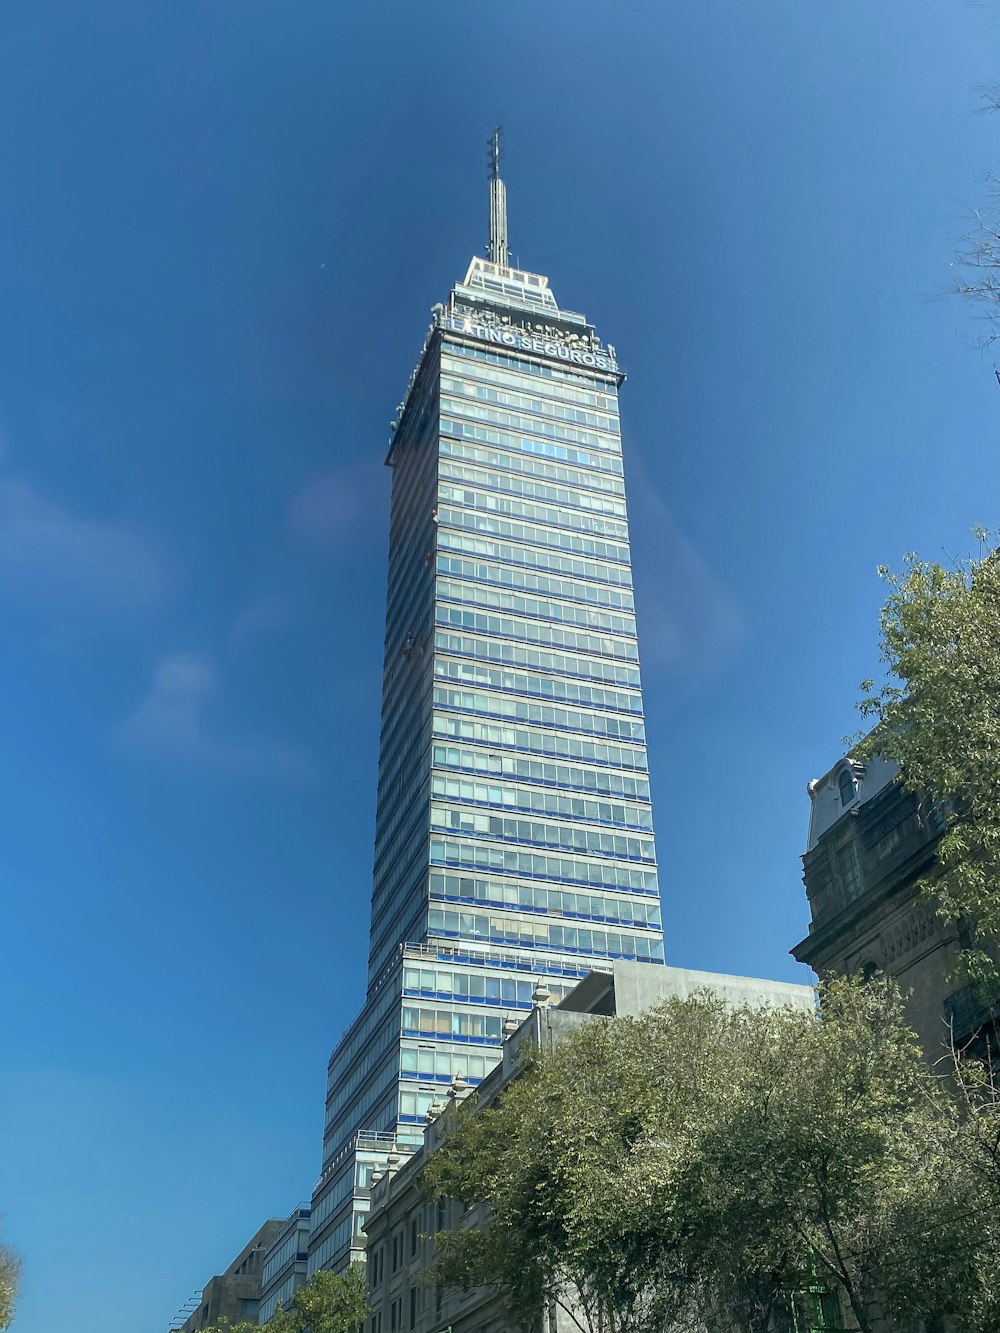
<point x="870" y="843"/>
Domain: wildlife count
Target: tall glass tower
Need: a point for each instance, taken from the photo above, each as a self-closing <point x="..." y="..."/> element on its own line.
<point x="514" y="835"/>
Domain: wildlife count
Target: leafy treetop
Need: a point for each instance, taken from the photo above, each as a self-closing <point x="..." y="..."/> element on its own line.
<point x="327" y="1303"/>
<point x="938" y="717"/>
<point x="706" y="1167"/>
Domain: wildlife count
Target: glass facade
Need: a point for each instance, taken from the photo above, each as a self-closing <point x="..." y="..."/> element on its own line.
<point x="284" y="1268"/>
<point x="514" y="835"/>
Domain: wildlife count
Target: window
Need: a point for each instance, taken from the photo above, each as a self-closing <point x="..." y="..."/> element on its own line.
<point x="413" y="1307"/>
<point x="414" y="1236"/>
<point x="849" y="869"/>
<point x="846" y="784"/>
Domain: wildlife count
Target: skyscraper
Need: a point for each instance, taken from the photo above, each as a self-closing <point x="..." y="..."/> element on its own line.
<point x="514" y="837"/>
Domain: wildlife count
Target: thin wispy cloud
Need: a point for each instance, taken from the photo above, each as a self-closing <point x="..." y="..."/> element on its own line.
<point x="176" y="722"/>
<point x="689" y="624"/>
<point x="50" y="553"/>
<point x="339" y="504"/>
<point x="265" y="613"/>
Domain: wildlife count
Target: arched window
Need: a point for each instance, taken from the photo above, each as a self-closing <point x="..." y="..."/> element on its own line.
<point x="846" y="787"/>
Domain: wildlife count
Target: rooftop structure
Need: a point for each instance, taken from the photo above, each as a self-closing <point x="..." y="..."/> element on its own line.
<point x="234" y="1294"/>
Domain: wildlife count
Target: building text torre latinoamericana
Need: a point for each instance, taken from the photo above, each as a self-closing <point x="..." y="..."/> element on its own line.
<point x="514" y="834"/>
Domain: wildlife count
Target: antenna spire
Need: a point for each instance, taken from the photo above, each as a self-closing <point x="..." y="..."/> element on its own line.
<point x="498" y="251"/>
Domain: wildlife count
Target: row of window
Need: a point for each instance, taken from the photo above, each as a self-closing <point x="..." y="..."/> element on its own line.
<point x="607" y="440"/>
<point x="535" y="865"/>
<point x="531" y="558"/>
<point x="539" y="714"/>
<point x="293" y="1244"/>
<point x="539" y="608"/>
<point x="539" y="933"/>
<point x="558" y="409"/>
<point x="574" y="505"/>
<point x="345" y="1090"/>
<point x="526" y="488"/>
<point x="281" y="1296"/>
<point x="524" y="382"/>
<point x="545" y="687"/>
<point x="357" y="1038"/>
<point x="398" y="853"/>
<point x="485" y="502"/>
<point x="517" y="654"/>
<point x="479" y="986"/>
<point x="530" y="458"/>
<point x="563" y="453"/>
<point x="540" y="801"/>
<point x="562" y="665"/>
<point x="413" y="1105"/>
<point x="607" y="480"/>
<point x="442" y="1064"/>
<point x="597" y="594"/>
<point x="332" y="1201"/>
<point x="569" y="776"/>
<point x="396" y="912"/>
<point x="530" y="832"/>
<point x="614" y="908"/>
<point x="396" y="760"/>
<point x="398" y="807"/>
<point x="533" y="535"/>
<point x="337" y="1240"/>
<point x="515" y="293"/>
<point x="365" y="1111"/>
<point x="534" y="631"/>
<point x="463" y="1023"/>
<point x="560" y="745"/>
<point x="376" y="1274"/>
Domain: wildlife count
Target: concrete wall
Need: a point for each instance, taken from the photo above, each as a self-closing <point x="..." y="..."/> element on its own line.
<point x="639" y="986"/>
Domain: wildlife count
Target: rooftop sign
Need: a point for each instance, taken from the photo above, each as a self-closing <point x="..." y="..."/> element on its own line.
<point x="521" y="341"/>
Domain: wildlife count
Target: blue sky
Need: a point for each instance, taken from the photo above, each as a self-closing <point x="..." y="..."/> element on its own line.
<point x="222" y="227"/>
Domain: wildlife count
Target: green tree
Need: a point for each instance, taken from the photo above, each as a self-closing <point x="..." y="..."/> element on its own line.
<point x="976" y="1167"/>
<point x="327" y="1303"/>
<point x="938" y="717"/>
<point x="699" y="1166"/>
<point x="979" y="257"/>
<point x="332" y="1302"/>
<point x="223" y="1325"/>
<point x="10" y="1281"/>
<point x="283" y="1321"/>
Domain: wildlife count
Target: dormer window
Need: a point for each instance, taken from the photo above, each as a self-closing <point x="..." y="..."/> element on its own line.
<point x="846" y="784"/>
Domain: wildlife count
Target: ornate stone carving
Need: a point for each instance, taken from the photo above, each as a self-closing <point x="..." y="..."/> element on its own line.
<point x="903" y="936"/>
